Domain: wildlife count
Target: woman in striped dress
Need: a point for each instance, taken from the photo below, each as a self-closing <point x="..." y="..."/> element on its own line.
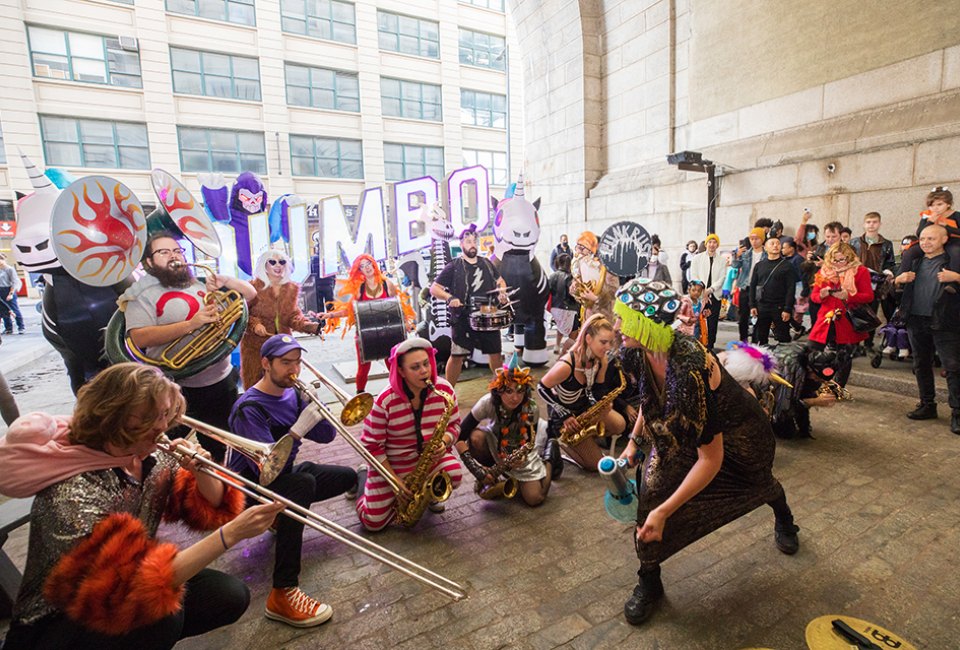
<point x="400" y="424"/>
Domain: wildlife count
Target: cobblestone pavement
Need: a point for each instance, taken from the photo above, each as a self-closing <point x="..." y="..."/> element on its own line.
<point x="873" y="493"/>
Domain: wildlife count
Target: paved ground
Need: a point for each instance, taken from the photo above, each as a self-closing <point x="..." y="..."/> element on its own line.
<point x="874" y="494"/>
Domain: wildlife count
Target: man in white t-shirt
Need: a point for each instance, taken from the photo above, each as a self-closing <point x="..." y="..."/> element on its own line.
<point x="168" y="303"/>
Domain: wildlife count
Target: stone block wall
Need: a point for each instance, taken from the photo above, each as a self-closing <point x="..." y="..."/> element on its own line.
<point x="773" y="98"/>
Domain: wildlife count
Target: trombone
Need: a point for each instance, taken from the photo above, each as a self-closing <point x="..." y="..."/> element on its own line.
<point x="304" y="515"/>
<point x="355" y="409"/>
<point x="269" y="459"/>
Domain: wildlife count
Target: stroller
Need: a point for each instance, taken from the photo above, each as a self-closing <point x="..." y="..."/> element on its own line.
<point x="896" y="343"/>
<point x="883" y="287"/>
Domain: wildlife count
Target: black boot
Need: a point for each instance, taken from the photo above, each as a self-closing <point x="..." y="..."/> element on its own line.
<point x="924" y="411"/>
<point x="646" y="595"/>
<point x="551" y="454"/>
<point x="785" y="536"/>
<point x="955" y="423"/>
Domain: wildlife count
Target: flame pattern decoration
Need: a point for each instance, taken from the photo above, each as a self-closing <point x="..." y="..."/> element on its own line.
<point x="183" y="210"/>
<point x="122" y="250"/>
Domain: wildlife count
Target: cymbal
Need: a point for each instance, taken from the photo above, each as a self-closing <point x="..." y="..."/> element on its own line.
<point x="821" y="635"/>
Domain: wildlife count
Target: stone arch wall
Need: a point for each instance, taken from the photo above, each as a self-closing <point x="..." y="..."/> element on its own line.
<point x="561" y="46"/>
<point x="612" y="86"/>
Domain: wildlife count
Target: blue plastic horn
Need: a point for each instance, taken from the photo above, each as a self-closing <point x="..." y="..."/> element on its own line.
<point x="620" y="500"/>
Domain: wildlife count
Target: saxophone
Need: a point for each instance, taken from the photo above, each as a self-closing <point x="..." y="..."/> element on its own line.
<point x="590" y="422"/>
<point x="508" y="487"/>
<point x="830" y="388"/>
<point x="426" y="487"/>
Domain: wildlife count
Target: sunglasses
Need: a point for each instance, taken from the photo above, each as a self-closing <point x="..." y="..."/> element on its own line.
<point x="275" y="262"/>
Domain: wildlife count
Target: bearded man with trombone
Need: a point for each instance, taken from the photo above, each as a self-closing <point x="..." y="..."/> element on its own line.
<point x="267" y="411"/>
<point x="170" y="304"/>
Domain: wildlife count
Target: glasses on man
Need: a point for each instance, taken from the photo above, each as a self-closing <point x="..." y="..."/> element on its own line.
<point x="276" y="262"/>
<point x="168" y="252"/>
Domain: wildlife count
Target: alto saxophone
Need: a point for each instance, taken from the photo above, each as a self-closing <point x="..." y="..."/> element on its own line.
<point x="508" y="487"/>
<point x="428" y="488"/>
<point x="590" y="422"/>
<point x="830" y="388"/>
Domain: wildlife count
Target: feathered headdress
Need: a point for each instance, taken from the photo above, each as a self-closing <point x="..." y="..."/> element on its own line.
<point x="512" y="373"/>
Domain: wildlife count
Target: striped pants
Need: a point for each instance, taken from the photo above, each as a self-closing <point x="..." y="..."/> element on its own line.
<point x="375" y="507"/>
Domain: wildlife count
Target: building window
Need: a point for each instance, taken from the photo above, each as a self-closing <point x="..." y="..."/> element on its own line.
<point x="240" y="12"/>
<point x="496" y="5"/>
<point x="405" y="161"/>
<point x="330" y="20"/>
<point x="483" y="109"/>
<point x="483" y="50"/>
<point x="495" y="162"/>
<point x="322" y="88"/>
<point x="214" y="75"/>
<point x="219" y="150"/>
<point x="326" y="157"/>
<point x="69" y="142"/>
<point x="408" y="35"/>
<point x="84" y="57"/>
<point x="410" y="99"/>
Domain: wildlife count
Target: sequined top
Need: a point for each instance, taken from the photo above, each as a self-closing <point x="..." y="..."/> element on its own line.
<point x="66" y="512"/>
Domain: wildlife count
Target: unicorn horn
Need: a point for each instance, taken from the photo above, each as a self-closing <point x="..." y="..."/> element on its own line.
<point x="38" y="179"/>
<point x="519" y="190"/>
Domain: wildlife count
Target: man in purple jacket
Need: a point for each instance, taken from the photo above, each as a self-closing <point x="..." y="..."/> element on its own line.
<point x="266" y="412"/>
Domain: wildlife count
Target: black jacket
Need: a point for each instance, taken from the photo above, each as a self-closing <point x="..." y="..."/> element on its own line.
<point x="773" y="286"/>
<point x="946" y="305"/>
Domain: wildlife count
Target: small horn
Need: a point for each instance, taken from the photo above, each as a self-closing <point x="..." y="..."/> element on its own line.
<point x="519" y="190"/>
<point x="780" y="380"/>
<point x="38" y="179"/>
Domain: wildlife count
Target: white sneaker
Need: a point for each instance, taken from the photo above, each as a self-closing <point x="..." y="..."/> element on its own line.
<point x="904" y="354"/>
<point x="889" y="350"/>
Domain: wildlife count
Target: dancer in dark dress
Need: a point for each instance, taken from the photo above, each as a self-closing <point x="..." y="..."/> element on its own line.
<point x="712" y="446"/>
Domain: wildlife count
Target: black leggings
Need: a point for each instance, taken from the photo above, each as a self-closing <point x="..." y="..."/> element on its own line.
<point x="305" y="484"/>
<point x="212" y="599"/>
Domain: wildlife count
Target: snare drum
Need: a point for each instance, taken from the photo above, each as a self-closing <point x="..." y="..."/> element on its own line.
<point x="380" y="326"/>
<point x="492" y="320"/>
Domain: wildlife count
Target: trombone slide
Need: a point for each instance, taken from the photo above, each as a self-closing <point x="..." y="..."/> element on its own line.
<point x="309" y="518"/>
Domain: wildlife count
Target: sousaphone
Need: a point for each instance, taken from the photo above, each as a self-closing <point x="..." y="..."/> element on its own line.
<point x="99" y="233"/>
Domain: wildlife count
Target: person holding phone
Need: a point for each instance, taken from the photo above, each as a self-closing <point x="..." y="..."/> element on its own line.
<point x="842" y="282"/>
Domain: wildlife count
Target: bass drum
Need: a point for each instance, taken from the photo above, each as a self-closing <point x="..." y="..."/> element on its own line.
<point x="117" y="346"/>
<point x="380" y="326"/>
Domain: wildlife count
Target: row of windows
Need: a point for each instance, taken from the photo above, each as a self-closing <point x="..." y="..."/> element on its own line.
<point x="70" y="142"/>
<point x="93" y="58"/>
<point x="297" y="15"/>
<point x="238" y="77"/>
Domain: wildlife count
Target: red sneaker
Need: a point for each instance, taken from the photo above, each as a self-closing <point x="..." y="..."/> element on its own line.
<point x="293" y="607"/>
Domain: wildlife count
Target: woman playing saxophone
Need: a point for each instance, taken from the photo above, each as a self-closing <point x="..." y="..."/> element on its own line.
<point x="573" y="387"/>
<point x="399" y="429"/>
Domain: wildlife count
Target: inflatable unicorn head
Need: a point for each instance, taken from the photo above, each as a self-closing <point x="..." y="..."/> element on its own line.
<point x="32" y="245"/>
<point x="516" y="223"/>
